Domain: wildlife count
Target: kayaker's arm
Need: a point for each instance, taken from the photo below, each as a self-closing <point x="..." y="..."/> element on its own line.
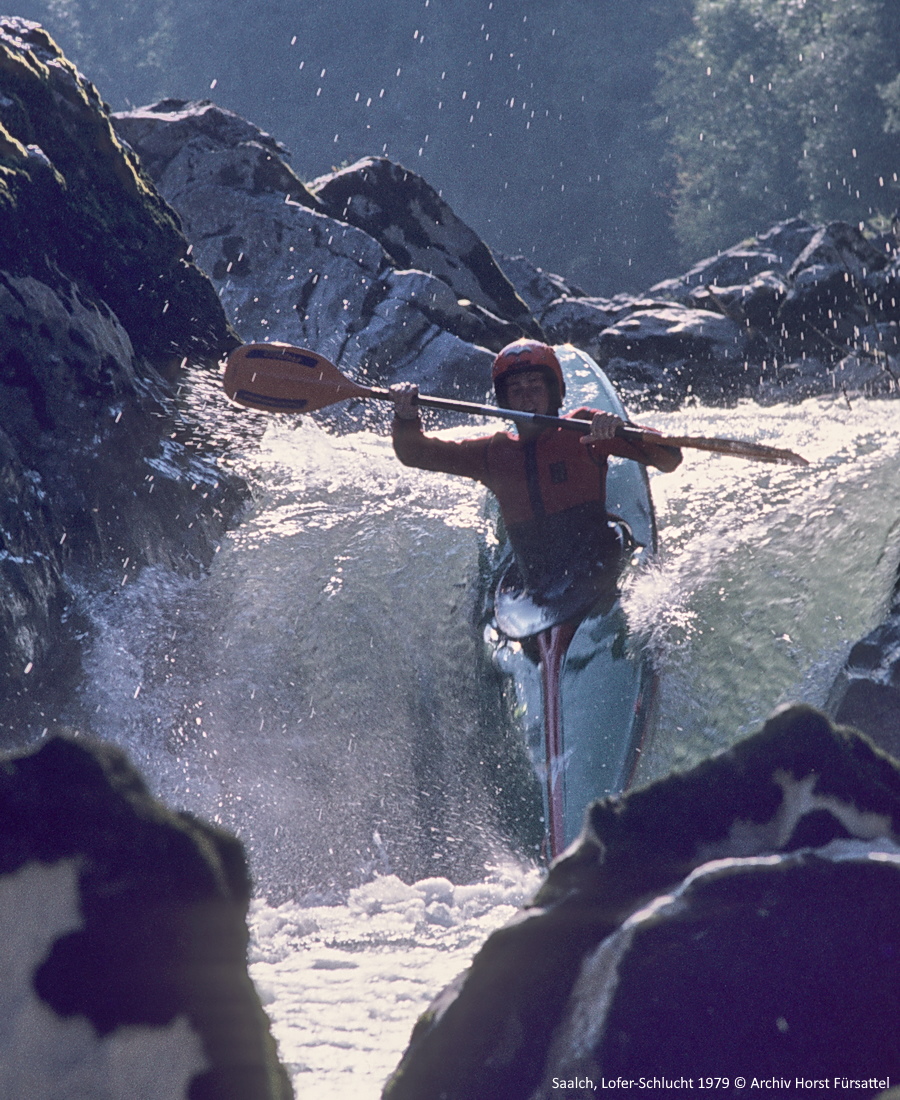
<point x="605" y="425"/>
<point x="466" y="458"/>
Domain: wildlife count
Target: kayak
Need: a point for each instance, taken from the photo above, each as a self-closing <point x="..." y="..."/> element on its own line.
<point x="581" y="687"/>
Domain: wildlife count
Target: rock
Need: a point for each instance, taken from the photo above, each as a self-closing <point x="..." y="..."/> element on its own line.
<point x="177" y="136"/>
<point x="288" y="272"/>
<point x="692" y="859"/>
<point x="768" y="966"/>
<point x="802" y="310"/>
<point x="866" y="693"/>
<point x="96" y="487"/>
<point x="701" y="352"/>
<point x="842" y="247"/>
<point x="419" y="230"/>
<point x="125" y="937"/>
<point x="343" y="265"/>
<point x="579" y="321"/>
<point x="826" y="304"/>
<point x="773" y="251"/>
<point x="74" y="205"/>
<point x="97" y="296"/>
<point x="537" y="288"/>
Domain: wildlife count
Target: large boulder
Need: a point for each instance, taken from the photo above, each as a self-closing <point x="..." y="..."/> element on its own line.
<point x="173" y="135"/>
<point x="699" y="351"/>
<point x="287" y="270"/>
<point x="695" y="911"/>
<point x="764" y="966"/>
<point x="774" y="250"/>
<point x="74" y="205"/>
<point x="418" y="229"/>
<point x="124" y="941"/>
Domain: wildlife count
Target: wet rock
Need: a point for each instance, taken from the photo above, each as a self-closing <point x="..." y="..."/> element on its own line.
<point x="97" y="296"/>
<point x="76" y="206"/>
<point x="866" y="693"/>
<point x="579" y="321"/>
<point x="183" y="142"/>
<point x="343" y="265"/>
<point x="419" y="230"/>
<point x="286" y="271"/>
<point x="803" y="310"/>
<point x="672" y="923"/>
<point x="703" y="352"/>
<point x="100" y="481"/>
<point x="125" y="938"/>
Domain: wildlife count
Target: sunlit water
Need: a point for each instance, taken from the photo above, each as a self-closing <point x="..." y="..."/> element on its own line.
<point x="324" y="691"/>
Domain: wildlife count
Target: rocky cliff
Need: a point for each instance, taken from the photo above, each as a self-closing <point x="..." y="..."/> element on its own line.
<point x="99" y="304"/>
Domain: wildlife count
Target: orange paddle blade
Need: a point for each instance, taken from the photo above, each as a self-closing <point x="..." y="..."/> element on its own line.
<point x="281" y="378"/>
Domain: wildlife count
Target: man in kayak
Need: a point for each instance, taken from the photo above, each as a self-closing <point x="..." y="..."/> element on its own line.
<point x="550" y="482"/>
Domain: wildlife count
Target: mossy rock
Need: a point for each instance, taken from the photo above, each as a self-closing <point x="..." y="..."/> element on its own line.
<point x="74" y="200"/>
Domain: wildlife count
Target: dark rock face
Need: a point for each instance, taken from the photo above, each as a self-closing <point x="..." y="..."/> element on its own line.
<point x="536" y="287"/>
<point x="866" y="694"/>
<point x="419" y="230"/>
<point x="73" y="201"/>
<point x="750" y="964"/>
<point x="96" y="293"/>
<point x="125" y="938"/>
<point x="712" y="872"/>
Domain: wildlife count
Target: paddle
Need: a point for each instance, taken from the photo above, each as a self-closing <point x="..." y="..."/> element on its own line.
<point x="281" y="378"/>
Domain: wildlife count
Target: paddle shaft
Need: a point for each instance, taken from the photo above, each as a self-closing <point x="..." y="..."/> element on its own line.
<point x="737" y="448"/>
<point x="282" y="378"/>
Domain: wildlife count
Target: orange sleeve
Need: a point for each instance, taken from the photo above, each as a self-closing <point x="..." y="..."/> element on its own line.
<point x="467" y="458"/>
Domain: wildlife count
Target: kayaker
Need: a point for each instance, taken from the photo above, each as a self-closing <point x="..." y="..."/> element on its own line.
<point x="550" y="482"/>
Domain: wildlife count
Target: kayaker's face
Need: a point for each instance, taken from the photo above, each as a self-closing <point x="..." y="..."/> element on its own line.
<point x="528" y="392"/>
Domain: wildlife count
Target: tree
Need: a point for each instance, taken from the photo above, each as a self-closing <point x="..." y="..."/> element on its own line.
<point x="778" y="108"/>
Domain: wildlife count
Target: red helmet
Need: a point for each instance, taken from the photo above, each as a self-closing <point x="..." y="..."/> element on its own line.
<point x="526" y="355"/>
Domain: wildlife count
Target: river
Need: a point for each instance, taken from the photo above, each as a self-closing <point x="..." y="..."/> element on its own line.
<point x="323" y="691"/>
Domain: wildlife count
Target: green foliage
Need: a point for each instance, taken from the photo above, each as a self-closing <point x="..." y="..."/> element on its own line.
<point x="778" y="108"/>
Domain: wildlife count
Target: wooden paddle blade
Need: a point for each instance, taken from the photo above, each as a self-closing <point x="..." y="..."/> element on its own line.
<point x="281" y="378"/>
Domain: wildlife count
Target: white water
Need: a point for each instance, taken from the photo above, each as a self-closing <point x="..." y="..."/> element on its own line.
<point x="323" y="692"/>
